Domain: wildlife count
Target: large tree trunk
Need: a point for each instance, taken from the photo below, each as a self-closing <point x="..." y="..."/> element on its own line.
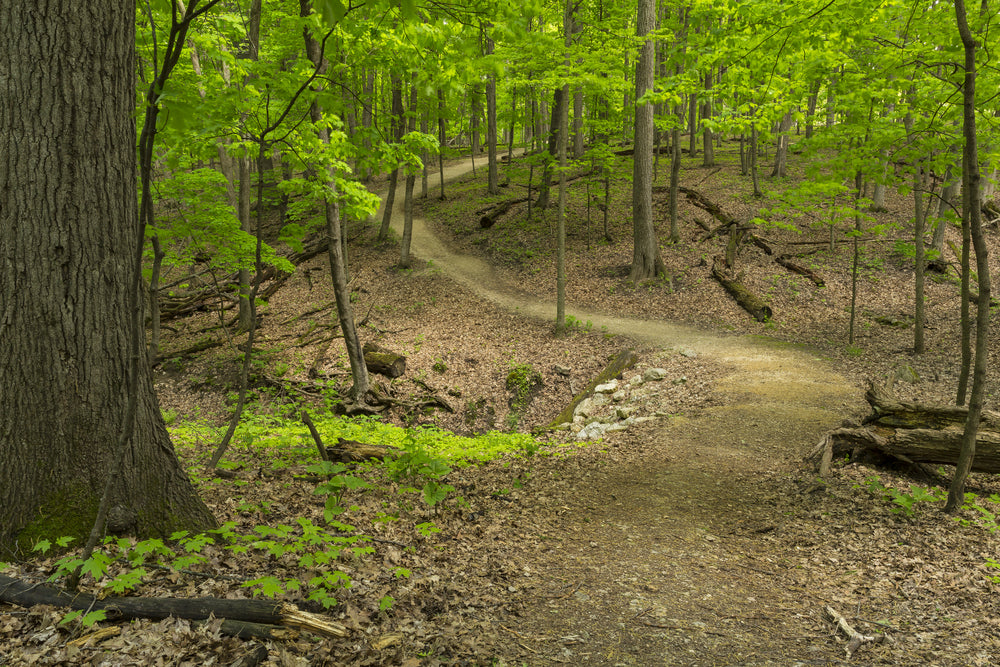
<point x="68" y="228"/>
<point x="646" y="262"/>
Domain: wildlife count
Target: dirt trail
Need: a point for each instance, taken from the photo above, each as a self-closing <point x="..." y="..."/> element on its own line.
<point x="665" y="556"/>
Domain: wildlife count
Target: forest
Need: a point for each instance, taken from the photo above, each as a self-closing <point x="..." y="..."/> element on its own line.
<point x="481" y="333"/>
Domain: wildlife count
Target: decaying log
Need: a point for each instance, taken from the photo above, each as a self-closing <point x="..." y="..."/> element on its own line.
<point x="785" y="261"/>
<point x="913" y="434"/>
<point x="351" y="451"/>
<point x="25" y="594"/>
<point x="384" y="362"/>
<point x="621" y="362"/>
<point x="728" y="222"/>
<point x="494" y="213"/>
<point x="749" y="301"/>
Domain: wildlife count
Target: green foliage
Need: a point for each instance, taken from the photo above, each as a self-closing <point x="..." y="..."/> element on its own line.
<point x="906" y="502"/>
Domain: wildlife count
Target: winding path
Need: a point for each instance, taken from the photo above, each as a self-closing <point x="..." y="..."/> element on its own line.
<point x="669" y="555"/>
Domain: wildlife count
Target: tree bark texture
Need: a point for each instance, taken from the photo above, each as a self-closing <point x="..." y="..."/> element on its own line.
<point x="646" y="262"/>
<point x="914" y="433"/>
<point x="68" y="223"/>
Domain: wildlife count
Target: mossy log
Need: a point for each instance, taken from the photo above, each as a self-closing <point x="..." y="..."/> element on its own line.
<point x="911" y="433"/>
<point x="749" y="301"/>
<point x="384" y="362"/>
<point x="618" y="365"/>
<point x="266" y="612"/>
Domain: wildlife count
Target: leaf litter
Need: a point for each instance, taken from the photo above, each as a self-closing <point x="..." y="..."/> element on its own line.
<point x="695" y="539"/>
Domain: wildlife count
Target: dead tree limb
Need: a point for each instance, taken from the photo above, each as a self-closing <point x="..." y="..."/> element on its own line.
<point x="785" y="261"/>
<point x="26" y="594"/>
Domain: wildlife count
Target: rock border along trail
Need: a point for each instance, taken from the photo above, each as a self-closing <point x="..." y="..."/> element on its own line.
<point x="665" y="556"/>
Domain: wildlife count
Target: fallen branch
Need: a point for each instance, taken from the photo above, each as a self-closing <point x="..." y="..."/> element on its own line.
<point x="855" y="638"/>
<point x="25" y="594"/>
<point x="786" y="262"/>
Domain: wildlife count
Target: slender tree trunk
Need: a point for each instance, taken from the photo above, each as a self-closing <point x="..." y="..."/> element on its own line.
<point x="578" y="124"/>
<point x="411" y="179"/>
<point x="708" y="158"/>
<point x="441" y="138"/>
<point x="781" y="152"/>
<point x="753" y="161"/>
<point x="425" y="157"/>
<point x="646" y="262"/>
<point x="397" y="125"/>
<point x="971" y="176"/>
<point x="493" y="181"/>
<point x="154" y="300"/>
<point x="334" y="231"/>
<point x="562" y="141"/>
<point x="69" y="232"/>
<point x="559" y="103"/>
<point x="811" y="108"/>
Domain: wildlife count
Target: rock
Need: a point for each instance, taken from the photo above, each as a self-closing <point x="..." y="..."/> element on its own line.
<point x="654" y="374"/>
<point x="592" y="431"/>
<point x="584" y="409"/>
<point x="685" y="352"/>
<point x="607" y="387"/>
<point x="681" y="380"/>
<point x="562" y="370"/>
<point x="619" y="396"/>
<point x="624" y="412"/>
<point x="597" y="400"/>
<point x="635" y="380"/>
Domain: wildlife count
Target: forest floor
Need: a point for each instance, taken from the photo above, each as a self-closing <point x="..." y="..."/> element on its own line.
<point x="698" y="537"/>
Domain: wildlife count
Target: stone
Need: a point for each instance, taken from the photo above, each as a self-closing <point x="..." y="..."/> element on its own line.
<point x="597" y="400"/>
<point x="685" y="352"/>
<point x="654" y="374"/>
<point x="619" y="396"/>
<point x="624" y="412"/>
<point x="607" y="387"/>
<point x="584" y="409"/>
<point x="635" y="380"/>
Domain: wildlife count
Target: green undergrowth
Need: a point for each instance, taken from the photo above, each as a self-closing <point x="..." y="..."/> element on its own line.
<point x="285" y="441"/>
<point x="299" y="554"/>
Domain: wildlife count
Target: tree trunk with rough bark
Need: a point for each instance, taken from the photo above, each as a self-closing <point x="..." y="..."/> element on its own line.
<point x="646" y="262"/>
<point x="68" y="233"/>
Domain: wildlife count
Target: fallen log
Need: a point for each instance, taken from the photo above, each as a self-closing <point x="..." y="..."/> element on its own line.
<point x="728" y="222"/>
<point x="26" y="594"/>
<point x="911" y="433"/>
<point x="747" y="300"/>
<point x="786" y="262"/>
<point x="352" y="451"/>
<point x="621" y="362"/>
<point x="490" y="218"/>
<point x="384" y="362"/>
